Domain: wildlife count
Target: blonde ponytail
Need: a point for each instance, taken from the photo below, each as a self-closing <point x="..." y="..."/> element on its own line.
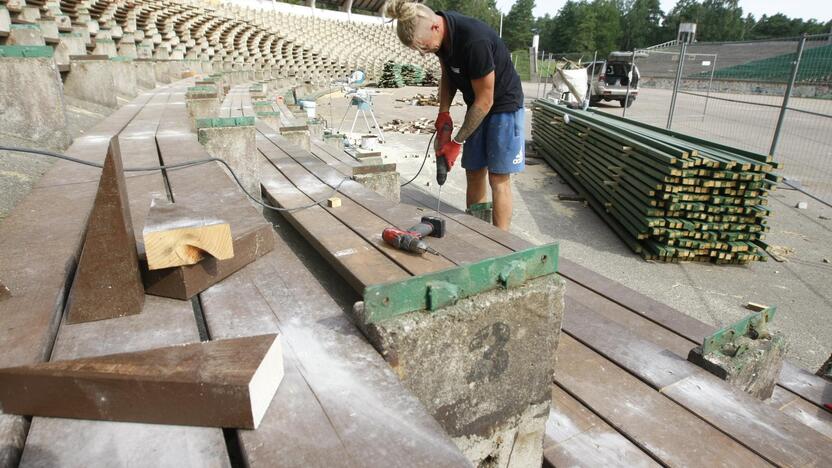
<point x="410" y="16"/>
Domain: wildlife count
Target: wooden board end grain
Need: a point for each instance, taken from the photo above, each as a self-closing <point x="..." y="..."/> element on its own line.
<point x="226" y="383"/>
<point x="176" y="235"/>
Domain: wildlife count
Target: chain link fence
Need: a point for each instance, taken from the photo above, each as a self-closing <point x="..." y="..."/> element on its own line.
<point x="772" y="97"/>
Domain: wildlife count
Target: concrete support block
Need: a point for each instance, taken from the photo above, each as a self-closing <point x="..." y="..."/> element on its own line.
<point x="202" y="108"/>
<point x="162" y="71"/>
<point x="5" y="20"/>
<point x="105" y="47"/>
<point x="272" y="119"/>
<point x="125" y="78"/>
<point x="25" y="35"/>
<point x="145" y="74"/>
<point x="483" y="367"/>
<point x="32" y="106"/>
<point x="385" y="184"/>
<point x="90" y="83"/>
<point x="298" y="135"/>
<point x="176" y="68"/>
<point x="49" y="30"/>
<point x="128" y="49"/>
<point x="754" y="368"/>
<point x="236" y="145"/>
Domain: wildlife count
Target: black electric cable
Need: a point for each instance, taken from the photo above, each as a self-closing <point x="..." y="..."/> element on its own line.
<point x="176" y="166"/>
<point x="424" y="160"/>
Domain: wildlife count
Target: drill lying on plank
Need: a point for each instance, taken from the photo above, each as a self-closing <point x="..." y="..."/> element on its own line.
<point x="412" y="240"/>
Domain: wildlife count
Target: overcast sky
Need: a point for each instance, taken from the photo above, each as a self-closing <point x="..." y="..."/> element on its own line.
<point x="818" y="9"/>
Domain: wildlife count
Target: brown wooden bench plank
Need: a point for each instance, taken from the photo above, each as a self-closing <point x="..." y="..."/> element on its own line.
<point x="358" y="262"/>
<point x="460" y="245"/>
<point x="162" y="322"/>
<point x="38" y="255"/>
<point x="577" y="437"/>
<point x="657" y="425"/>
<point x="666" y="371"/>
<point x="49" y="243"/>
<point x="362" y="221"/>
<point x="780" y="439"/>
<point x="358" y="414"/>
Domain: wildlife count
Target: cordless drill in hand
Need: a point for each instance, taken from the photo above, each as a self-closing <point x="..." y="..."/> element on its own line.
<point x="412" y="240"/>
<point x="444" y="131"/>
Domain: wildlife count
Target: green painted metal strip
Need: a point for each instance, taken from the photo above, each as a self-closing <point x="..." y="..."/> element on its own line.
<point x="25" y="26"/>
<point x="121" y="58"/>
<point x="268" y="114"/>
<point x="202" y="89"/>
<point x="753" y="322"/>
<point x="217" y="122"/>
<point x="435" y="290"/>
<point x="17" y="51"/>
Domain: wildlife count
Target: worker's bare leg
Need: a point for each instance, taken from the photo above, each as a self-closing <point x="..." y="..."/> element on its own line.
<point x="501" y="192"/>
<point x="476" y="191"/>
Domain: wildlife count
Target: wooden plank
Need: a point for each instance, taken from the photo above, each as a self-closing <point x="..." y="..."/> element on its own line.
<point x="54" y="441"/>
<point x="200" y="187"/>
<point x="649" y="362"/>
<point x="356" y="412"/>
<point x="634" y="323"/>
<point x="176" y="235"/>
<point x="802" y="382"/>
<point x="577" y="437"/>
<point x="779" y="439"/>
<point x="224" y="383"/>
<point x="461" y="245"/>
<point x="364" y="222"/>
<point x="357" y="261"/>
<point x="107" y="283"/>
<point x="665" y="371"/>
<point x="663" y="429"/>
<point x="50" y="241"/>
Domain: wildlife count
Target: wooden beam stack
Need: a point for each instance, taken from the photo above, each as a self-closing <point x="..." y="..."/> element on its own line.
<point x="669" y="196"/>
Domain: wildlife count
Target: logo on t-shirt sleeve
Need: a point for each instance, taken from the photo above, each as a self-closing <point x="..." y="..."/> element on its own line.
<point x="455" y="70"/>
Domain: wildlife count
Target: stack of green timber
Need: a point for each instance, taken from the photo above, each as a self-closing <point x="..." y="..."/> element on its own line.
<point x="670" y="196"/>
<point x="430" y="79"/>
<point x="413" y="75"/>
<point x="391" y="76"/>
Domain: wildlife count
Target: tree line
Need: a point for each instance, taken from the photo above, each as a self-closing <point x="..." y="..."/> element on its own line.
<point x="607" y="25"/>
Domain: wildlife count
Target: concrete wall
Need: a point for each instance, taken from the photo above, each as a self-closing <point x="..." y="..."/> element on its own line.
<point x="32" y="104"/>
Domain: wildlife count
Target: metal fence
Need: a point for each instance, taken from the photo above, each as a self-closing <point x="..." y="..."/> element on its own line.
<point x="773" y="97"/>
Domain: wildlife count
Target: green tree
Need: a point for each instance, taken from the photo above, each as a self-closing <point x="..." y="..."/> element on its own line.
<point x="484" y="10"/>
<point x="642" y="24"/>
<point x="518" y="25"/>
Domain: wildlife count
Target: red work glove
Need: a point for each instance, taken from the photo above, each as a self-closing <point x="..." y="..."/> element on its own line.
<point x="442" y="119"/>
<point x="450" y="151"/>
<point x="444" y="129"/>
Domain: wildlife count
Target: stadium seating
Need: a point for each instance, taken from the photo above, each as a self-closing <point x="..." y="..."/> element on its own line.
<point x="306" y="47"/>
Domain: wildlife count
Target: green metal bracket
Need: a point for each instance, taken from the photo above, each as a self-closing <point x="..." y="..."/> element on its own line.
<point x="218" y="122"/>
<point x="441" y="294"/>
<point x="120" y="58"/>
<point x="433" y="291"/>
<point x="268" y="114"/>
<point x="753" y="326"/>
<point x="17" y="51"/>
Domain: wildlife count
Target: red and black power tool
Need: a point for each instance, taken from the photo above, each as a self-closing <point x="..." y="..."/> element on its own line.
<point x="412" y="240"/>
<point x="443" y="135"/>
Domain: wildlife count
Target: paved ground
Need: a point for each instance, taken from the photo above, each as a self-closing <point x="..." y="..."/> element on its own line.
<point x="714" y="294"/>
<point x="799" y="287"/>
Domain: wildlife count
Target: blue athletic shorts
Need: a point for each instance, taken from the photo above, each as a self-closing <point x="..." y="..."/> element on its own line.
<point x="499" y="144"/>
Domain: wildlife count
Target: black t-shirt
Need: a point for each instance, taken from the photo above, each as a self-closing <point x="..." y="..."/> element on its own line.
<point x="475" y="51"/>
